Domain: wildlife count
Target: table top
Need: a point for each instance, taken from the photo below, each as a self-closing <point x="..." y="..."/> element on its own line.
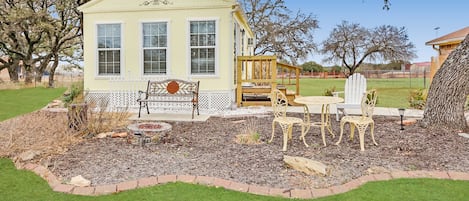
<point x="316" y="100"/>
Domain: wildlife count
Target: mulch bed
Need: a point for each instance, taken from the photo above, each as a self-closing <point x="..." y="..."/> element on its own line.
<point x="209" y="149"/>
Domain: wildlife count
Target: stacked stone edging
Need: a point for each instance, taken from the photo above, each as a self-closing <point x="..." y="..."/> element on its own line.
<point x="57" y="185"/>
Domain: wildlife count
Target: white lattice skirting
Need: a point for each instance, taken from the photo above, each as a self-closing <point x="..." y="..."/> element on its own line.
<point x="209" y="101"/>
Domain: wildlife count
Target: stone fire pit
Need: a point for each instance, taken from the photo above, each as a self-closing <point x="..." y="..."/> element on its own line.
<point x="148" y="133"/>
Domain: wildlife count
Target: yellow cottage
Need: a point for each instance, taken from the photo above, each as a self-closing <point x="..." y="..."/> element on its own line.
<point x="127" y="43"/>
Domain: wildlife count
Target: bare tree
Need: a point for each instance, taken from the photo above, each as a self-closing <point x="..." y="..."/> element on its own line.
<point x="279" y="31"/>
<point x="351" y="44"/>
<point x="448" y="91"/>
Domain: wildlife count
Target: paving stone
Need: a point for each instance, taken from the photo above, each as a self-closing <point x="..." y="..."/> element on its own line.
<point x="186" y="178"/>
<point x="419" y="174"/>
<point x="167" y="179"/>
<point x="238" y="187"/>
<point x="259" y="190"/>
<point x="286" y="193"/>
<point x="128" y="185"/>
<point x="301" y="193"/>
<point x="148" y="181"/>
<point x="439" y="175"/>
<point x="64" y="188"/>
<point x="458" y="175"/>
<point x="204" y="180"/>
<point x="83" y="190"/>
<point x="400" y="174"/>
<point x="354" y="184"/>
<point x="382" y="177"/>
<point x="52" y="180"/>
<point x="366" y="179"/>
<point x="221" y="182"/>
<point x="30" y="166"/>
<point x="322" y="192"/>
<point x="339" y="189"/>
<point x="105" y="189"/>
<point x="40" y="170"/>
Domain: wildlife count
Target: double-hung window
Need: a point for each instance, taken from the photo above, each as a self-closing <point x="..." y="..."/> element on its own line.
<point x="155" y="45"/>
<point x="109" y="49"/>
<point x="203" y="47"/>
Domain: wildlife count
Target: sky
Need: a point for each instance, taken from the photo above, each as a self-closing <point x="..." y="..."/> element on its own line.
<point x="424" y="19"/>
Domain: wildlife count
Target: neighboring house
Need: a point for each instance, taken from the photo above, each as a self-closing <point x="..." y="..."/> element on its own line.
<point x="128" y="42"/>
<point x="445" y="45"/>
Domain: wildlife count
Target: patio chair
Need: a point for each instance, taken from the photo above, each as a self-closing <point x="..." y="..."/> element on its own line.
<point x="361" y="122"/>
<point x="355" y="86"/>
<point x="279" y="106"/>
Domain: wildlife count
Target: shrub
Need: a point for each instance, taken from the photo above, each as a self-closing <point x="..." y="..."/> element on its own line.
<point x="75" y="94"/>
<point x="329" y="92"/>
<point x="418" y="98"/>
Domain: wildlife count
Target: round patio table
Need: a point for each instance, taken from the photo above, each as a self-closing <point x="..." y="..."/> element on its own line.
<point x="325" y="101"/>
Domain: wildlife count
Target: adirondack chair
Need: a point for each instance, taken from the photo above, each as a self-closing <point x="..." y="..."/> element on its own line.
<point x="355" y="87"/>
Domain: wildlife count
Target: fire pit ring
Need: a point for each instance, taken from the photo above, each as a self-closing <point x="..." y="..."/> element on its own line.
<point x="148" y="133"/>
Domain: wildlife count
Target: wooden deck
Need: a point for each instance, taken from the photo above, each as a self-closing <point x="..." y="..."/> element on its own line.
<point x="257" y="75"/>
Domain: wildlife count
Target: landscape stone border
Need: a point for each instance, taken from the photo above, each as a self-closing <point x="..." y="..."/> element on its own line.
<point x="58" y="186"/>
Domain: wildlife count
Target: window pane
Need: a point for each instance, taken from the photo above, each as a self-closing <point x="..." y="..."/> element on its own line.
<point x="211" y="27"/>
<point x="194" y="27"/>
<point x="202" y="42"/>
<point x="154" y="44"/>
<point x="194" y="40"/>
<point x="109" y="44"/>
<point x="101" y="42"/>
<point x="162" y="41"/>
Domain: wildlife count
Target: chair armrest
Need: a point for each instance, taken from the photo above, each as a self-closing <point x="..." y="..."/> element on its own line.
<point x="336" y="93"/>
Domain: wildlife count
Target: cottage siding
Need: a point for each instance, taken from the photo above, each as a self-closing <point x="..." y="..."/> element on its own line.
<point x="131" y="15"/>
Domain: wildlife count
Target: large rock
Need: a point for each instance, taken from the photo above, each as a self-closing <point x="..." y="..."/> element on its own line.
<point x="305" y="165"/>
<point x="80" y="181"/>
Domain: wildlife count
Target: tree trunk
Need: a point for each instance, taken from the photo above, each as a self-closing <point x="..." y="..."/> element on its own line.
<point x="448" y="92"/>
<point x="13" y="73"/>
<point x="52" y="70"/>
<point x="38" y="75"/>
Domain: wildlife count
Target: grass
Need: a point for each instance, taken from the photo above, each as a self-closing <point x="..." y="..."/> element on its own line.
<point x="391" y="92"/>
<point x="25" y="185"/>
<point x="21" y="101"/>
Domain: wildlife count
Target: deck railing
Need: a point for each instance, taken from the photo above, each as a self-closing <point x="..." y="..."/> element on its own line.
<point x="264" y="71"/>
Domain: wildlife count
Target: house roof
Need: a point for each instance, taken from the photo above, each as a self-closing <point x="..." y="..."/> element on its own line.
<point x="454" y="37"/>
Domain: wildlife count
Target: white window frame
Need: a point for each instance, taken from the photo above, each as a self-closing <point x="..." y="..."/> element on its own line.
<point x="217" y="45"/>
<point x="168" y="51"/>
<point x="121" y="49"/>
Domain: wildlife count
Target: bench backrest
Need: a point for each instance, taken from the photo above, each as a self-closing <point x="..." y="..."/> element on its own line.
<point x="172" y="87"/>
<point x="355" y="87"/>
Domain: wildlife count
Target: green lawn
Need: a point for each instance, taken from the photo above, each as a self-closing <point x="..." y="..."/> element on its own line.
<point x="16" y="102"/>
<point x="391" y="92"/>
<point x="25" y="185"/>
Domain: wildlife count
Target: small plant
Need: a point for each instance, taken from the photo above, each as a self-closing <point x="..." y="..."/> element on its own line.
<point x="329" y="91"/>
<point x="418" y="98"/>
<point x="75" y="94"/>
<point x="249" y="133"/>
